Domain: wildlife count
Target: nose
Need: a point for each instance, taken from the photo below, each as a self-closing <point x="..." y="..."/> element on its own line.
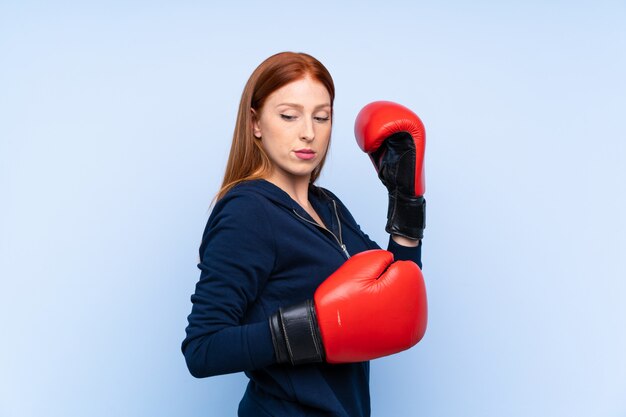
<point x="308" y="132"/>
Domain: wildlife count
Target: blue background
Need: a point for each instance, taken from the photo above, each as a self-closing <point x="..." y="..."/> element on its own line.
<point x="115" y="124"/>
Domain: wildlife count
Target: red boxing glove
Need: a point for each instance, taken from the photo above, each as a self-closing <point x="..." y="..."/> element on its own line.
<point x="395" y="140"/>
<point x="370" y="307"/>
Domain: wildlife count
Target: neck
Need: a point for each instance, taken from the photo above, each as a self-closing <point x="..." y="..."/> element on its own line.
<point x="296" y="187"/>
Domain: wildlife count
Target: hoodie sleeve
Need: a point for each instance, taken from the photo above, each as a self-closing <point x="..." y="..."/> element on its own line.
<point x="400" y="253"/>
<point x="237" y="255"/>
<point x="405" y="253"/>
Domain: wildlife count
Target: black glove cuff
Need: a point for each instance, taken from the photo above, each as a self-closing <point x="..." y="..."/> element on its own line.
<point x="295" y="334"/>
<point x="406" y="215"/>
<point x="278" y="339"/>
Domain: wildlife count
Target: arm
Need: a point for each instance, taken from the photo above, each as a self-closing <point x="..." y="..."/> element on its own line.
<point x="394" y="138"/>
<point x="236" y="258"/>
<point x="405" y="252"/>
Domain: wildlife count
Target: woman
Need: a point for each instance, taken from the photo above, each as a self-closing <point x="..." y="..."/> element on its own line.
<point x="272" y="238"/>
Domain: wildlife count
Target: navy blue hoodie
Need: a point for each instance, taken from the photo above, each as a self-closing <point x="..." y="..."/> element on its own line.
<point x="261" y="250"/>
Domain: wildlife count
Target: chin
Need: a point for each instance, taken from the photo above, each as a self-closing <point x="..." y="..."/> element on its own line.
<point x="297" y="172"/>
<point x="306" y="174"/>
<point x="302" y="172"/>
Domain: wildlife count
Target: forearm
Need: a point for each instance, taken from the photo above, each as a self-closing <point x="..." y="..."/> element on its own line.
<point x="405" y="253"/>
<point x="231" y="349"/>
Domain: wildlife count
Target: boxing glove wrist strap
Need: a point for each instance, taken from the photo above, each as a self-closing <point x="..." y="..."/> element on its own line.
<point x="295" y="334"/>
<point x="406" y="215"/>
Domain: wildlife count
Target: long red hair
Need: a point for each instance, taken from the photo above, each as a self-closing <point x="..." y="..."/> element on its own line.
<point x="247" y="160"/>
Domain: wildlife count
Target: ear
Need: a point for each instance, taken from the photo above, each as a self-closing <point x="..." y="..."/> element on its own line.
<point x="256" y="128"/>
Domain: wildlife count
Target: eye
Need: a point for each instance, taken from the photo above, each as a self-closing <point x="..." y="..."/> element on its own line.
<point x="322" y="119"/>
<point x="287" y="117"/>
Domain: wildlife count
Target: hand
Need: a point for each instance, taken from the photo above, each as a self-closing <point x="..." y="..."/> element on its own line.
<point x="370" y="307"/>
<point x="395" y="140"/>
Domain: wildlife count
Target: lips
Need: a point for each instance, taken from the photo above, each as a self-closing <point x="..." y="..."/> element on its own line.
<point x="305" y="154"/>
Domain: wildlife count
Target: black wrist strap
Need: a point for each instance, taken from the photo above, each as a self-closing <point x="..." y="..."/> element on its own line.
<point x="278" y="339"/>
<point x="295" y="334"/>
<point x="406" y="215"/>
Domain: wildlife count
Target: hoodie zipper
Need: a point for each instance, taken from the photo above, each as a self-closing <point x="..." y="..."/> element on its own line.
<point x="339" y="241"/>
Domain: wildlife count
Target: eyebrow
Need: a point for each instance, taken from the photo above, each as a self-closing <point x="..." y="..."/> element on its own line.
<point x="300" y="106"/>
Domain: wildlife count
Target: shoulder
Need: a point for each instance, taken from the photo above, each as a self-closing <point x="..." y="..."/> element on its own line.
<point x="239" y="200"/>
<point x="250" y="198"/>
<point x="240" y="212"/>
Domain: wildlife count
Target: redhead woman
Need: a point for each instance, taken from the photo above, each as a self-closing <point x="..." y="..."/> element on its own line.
<point x="292" y="292"/>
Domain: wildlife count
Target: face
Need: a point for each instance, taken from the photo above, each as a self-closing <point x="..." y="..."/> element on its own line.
<point x="294" y="128"/>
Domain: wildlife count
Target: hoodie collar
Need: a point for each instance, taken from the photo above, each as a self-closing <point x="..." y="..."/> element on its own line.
<point x="317" y="196"/>
<point x="323" y="204"/>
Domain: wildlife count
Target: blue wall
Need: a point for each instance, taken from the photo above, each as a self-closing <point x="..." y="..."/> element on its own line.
<point x="115" y="124"/>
